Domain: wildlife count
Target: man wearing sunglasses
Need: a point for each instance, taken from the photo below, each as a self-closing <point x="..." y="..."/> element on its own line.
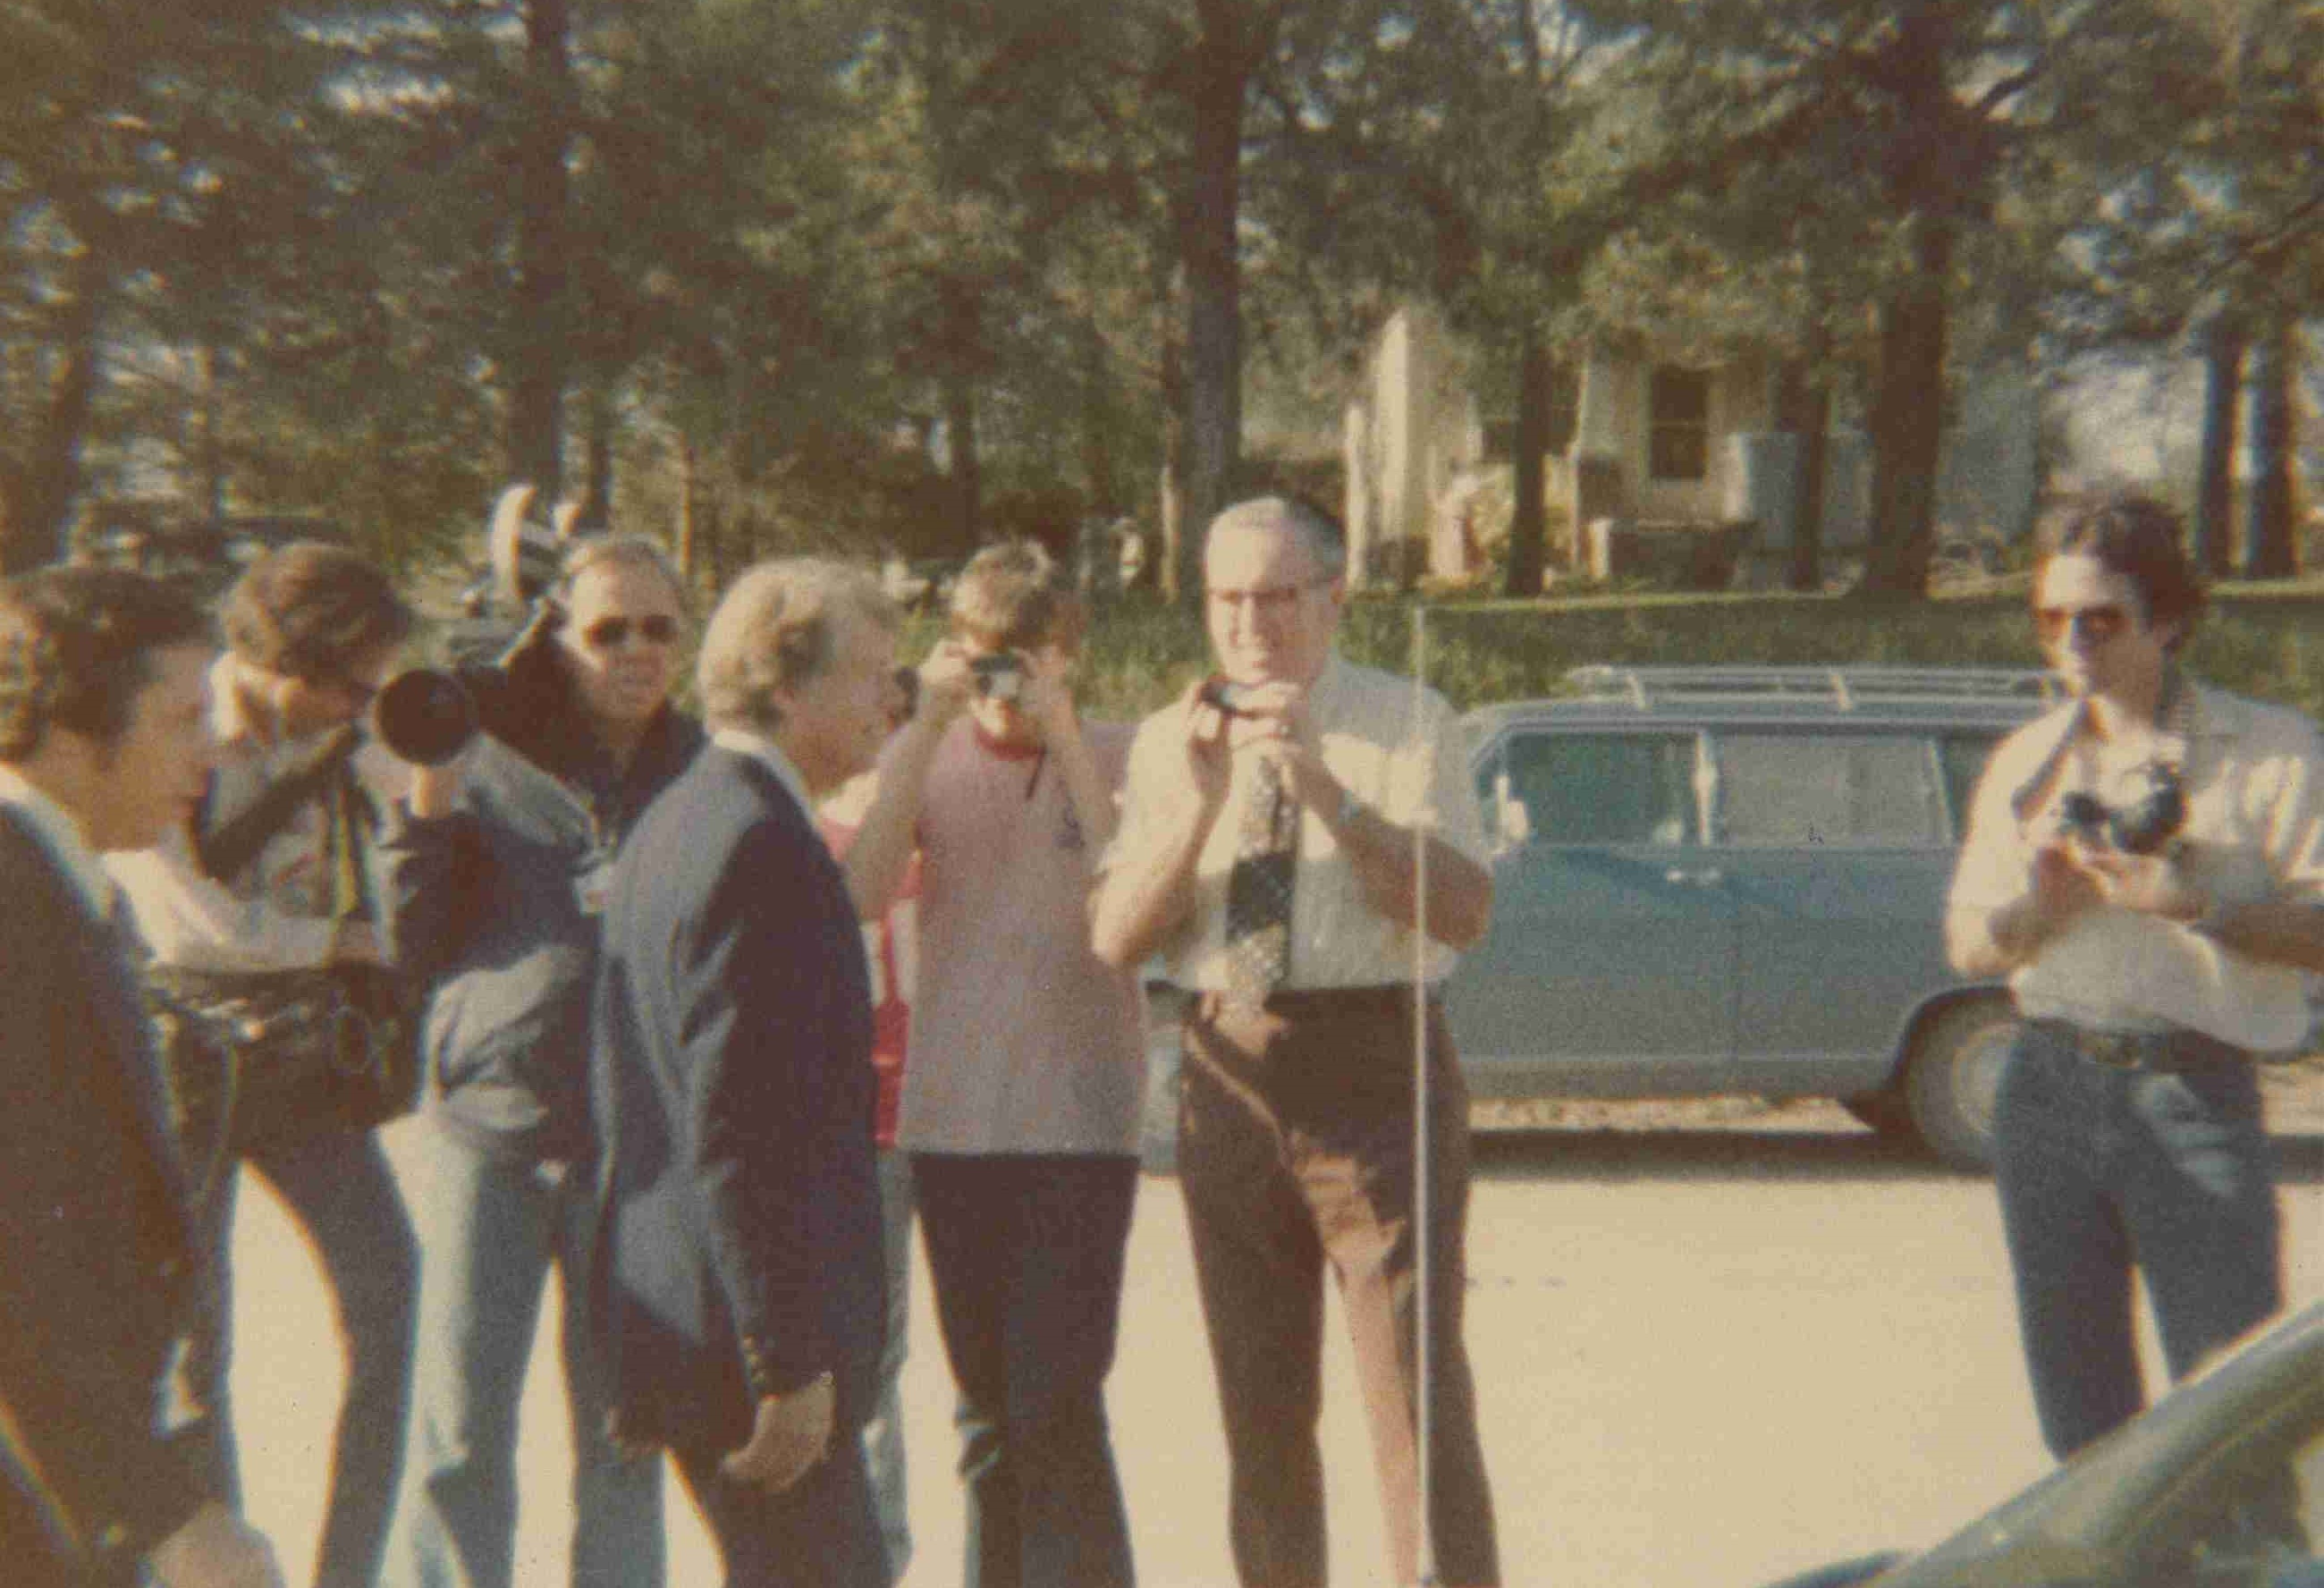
<point x="500" y="862"/>
<point x="2145" y="866"/>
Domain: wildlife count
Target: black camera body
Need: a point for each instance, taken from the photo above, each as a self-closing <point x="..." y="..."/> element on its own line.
<point x="2145" y="827"/>
<point x="999" y="676"/>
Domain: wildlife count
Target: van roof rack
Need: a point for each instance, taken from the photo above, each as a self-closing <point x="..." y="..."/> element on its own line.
<point x="1844" y="687"/>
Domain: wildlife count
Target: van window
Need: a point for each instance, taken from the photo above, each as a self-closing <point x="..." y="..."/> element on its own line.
<point x="1964" y="755"/>
<point x="1862" y="790"/>
<point x="1604" y="788"/>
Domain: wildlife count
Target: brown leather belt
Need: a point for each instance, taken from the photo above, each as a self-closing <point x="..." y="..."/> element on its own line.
<point x="2158" y="1051"/>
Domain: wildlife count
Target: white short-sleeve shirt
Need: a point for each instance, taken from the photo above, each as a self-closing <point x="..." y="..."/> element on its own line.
<point x="2254" y="787"/>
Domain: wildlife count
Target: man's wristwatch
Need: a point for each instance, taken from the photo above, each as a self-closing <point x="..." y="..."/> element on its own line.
<point x="1351" y="808"/>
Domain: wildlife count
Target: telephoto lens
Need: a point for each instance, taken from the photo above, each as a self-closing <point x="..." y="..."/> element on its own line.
<point x="425" y="716"/>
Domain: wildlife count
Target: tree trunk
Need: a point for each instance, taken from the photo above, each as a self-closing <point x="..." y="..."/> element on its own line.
<point x="1178" y="569"/>
<point x="689" y="505"/>
<point x="536" y="440"/>
<point x="1097" y="427"/>
<point x="964" y="476"/>
<point x="2224" y="341"/>
<point x="1908" y="418"/>
<point x="1803" y="412"/>
<point x="44" y="485"/>
<point x="1529" y="522"/>
<point x="2269" y="549"/>
<point x="596" y="510"/>
<point x="1210" y="248"/>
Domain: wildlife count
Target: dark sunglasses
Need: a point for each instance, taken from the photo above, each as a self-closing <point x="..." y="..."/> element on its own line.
<point x="2097" y="625"/>
<point x="611" y="633"/>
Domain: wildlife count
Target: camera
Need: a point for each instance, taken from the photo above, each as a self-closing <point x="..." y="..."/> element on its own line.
<point x="2145" y="827"/>
<point x="999" y="676"/>
<point x="1228" y="699"/>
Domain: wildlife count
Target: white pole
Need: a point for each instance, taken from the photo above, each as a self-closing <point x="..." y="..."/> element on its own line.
<point x="1425" y="1416"/>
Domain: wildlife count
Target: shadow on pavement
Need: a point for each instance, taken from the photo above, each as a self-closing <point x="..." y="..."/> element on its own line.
<point x="1612" y="1156"/>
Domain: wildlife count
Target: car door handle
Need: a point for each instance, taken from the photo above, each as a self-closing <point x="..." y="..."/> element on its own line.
<point x="1680" y="874"/>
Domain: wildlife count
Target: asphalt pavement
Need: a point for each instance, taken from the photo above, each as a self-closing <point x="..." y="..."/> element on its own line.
<point x="1707" y="1356"/>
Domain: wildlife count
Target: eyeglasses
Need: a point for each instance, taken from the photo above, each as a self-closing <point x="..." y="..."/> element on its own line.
<point x="2094" y="624"/>
<point x="611" y="633"/>
<point x="1268" y="601"/>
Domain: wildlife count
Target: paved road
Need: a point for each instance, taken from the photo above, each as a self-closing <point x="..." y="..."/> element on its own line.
<point x="1707" y="1356"/>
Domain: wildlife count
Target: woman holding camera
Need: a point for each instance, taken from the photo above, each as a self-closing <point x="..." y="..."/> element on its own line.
<point x="2146" y="865"/>
<point x="262" y="923"/>
<point x="498" y="867"/>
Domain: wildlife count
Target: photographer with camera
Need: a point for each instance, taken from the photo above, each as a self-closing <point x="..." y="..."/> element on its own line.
<point x="2146" y="865"/>
<point x="498" y="867"/>
<point x="1021" y="1100"/>
<point x="283" y="1029"/>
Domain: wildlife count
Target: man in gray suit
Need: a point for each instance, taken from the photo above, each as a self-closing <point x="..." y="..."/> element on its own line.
<point x="104" y="744"/>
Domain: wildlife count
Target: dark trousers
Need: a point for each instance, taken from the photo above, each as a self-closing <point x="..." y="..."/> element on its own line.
<point x="1295" y="1147"/>
<point x="338" y="1187"/>
<point x="2102" y="1169"/>
<point x="820" y="1533"/>
<point x="1026" y="1254"/>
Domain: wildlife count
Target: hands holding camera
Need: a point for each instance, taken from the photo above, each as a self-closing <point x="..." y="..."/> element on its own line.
<point x="2133" y="858"/>
<point x="1036" y="683"/>
<point x="1226" y="719"/>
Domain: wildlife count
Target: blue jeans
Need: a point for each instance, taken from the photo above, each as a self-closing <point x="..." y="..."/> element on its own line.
<point x="1025" y="1254"/>
<point x="883" y="1435"/>
<point x="338" y="1187"/>
<point x="489" y="1227"/>
<point x="2103" y="1169"/>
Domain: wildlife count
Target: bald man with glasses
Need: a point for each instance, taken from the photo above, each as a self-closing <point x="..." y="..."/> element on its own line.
<point x="1268" y="851"/>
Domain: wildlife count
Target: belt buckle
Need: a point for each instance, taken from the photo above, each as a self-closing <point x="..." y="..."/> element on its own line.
<point x="2117" y="1050"/>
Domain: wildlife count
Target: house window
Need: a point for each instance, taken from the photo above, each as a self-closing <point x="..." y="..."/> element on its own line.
<point x="1678" y="424"/>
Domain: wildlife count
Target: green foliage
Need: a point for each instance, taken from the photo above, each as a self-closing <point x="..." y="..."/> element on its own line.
<point x="2256" y="639"/>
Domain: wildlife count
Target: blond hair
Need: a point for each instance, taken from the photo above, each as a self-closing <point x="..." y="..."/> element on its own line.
<point x="1015" y="596"/>
<point x="775" y="630"/>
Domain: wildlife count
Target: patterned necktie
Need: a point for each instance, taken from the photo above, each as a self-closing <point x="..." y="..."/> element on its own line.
<point x="1258" y="888"/>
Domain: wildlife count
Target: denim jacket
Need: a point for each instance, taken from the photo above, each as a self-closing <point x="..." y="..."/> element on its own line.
<point x="491" y="908"/>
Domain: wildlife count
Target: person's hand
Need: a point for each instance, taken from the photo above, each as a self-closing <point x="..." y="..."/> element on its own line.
<point x="1273" y="719"/>
<point x="433" y="790"/>
<point x="1202" y="732"/>
<point x="215" y="1549"/>
<point x="1046" y="697"/>
<point x="947" y="683"/>
<point x="789" y="1434"/>
<point x="2151" y="884"/>
<point x="2061" y="888"/>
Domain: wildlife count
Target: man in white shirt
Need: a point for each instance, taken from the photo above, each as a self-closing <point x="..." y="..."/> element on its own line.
<point x="2146" y="866"/>
<point x="1268" y="851"/>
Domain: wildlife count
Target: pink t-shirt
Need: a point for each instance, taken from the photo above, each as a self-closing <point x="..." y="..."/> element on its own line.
<point x="1022" y="1040"/>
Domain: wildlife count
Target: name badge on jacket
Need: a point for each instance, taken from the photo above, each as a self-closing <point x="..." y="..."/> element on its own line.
<point x="593" y="887"/>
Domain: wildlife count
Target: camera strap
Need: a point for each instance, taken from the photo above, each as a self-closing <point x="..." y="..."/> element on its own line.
<point x="227" y="841"/>
<point x="2175" y="738"/>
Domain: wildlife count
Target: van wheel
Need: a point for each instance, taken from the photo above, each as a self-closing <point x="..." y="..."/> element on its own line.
<point x="1952" y="1076"/>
